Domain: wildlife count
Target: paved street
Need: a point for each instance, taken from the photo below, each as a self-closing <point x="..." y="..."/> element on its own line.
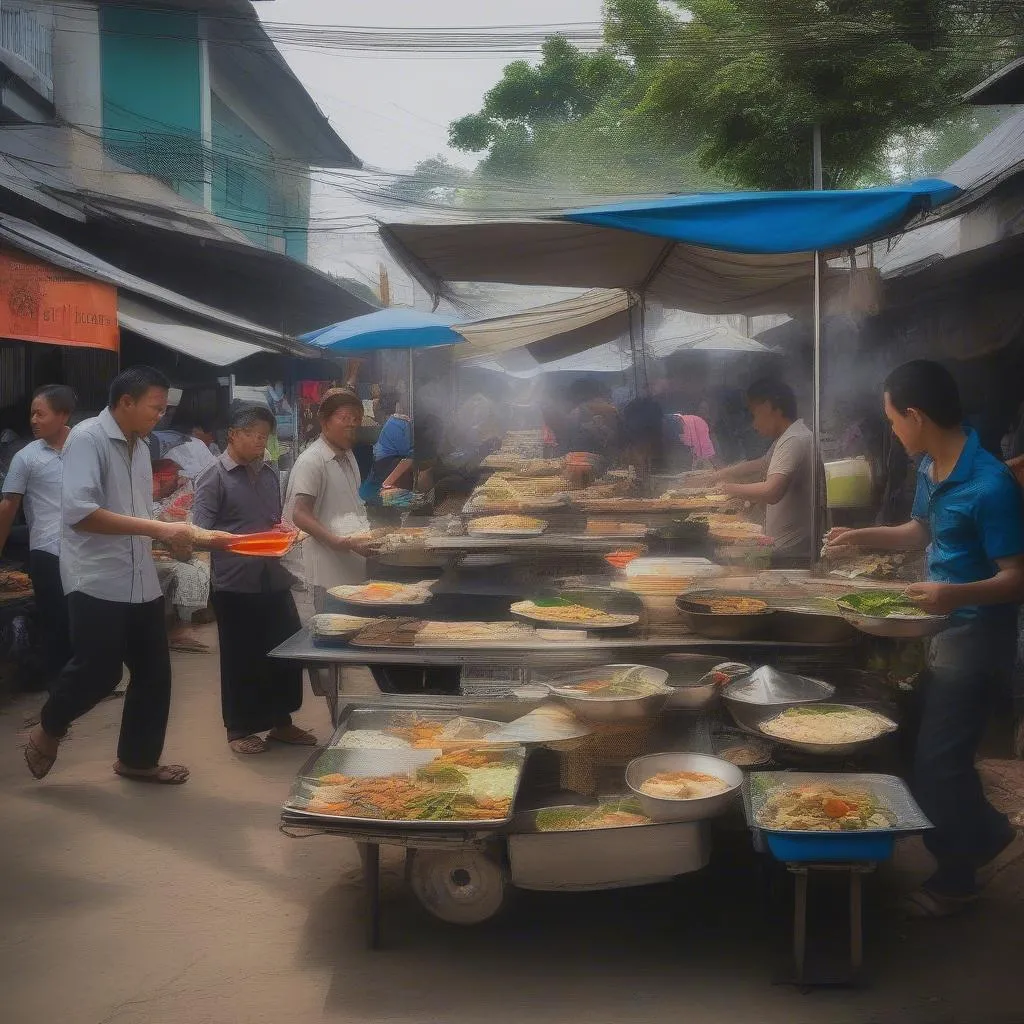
<point x="128" y="904"/>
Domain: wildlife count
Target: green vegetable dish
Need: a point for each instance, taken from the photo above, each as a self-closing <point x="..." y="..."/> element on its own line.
<point x="883" y="604"/>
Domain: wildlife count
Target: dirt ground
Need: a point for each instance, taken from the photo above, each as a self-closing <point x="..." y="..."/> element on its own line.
<point x="128" y="904"/>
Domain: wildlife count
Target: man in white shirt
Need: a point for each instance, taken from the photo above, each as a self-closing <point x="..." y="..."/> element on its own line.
<point x="783" y="476"/>
<point x="323" y="498"/>
<point x="33" y="482"/>
<point x="114" y="600"/>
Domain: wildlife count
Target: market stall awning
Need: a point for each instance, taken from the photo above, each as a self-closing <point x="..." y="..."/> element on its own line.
<point x="197" y="340"/>
<point x="393" y="328"/>
<point x="697" y="255"/>
<point x="171" y="306"/>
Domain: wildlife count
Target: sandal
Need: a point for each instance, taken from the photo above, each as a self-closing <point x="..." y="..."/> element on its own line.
<point x="38" y="761"/>
<point x="162" y="775"/>
<point x="248" y="745"/>
<point x="926" y="903"/>
<point x="294" y="735"/>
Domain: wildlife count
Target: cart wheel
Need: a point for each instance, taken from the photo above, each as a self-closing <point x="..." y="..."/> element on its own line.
<point x="460" y="887"/>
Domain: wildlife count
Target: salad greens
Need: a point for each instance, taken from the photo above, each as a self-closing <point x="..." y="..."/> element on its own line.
<point x="881" y="603"/>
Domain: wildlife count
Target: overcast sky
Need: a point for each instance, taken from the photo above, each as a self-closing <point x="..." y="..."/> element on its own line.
<point x="395" y="110"/>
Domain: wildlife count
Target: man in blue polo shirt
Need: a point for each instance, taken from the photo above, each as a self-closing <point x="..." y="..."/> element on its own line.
<point x="968" y="512"/>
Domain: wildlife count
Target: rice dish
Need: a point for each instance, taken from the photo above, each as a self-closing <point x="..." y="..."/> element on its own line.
<point x="826" y="725"/>
<point x="683" y="785"/>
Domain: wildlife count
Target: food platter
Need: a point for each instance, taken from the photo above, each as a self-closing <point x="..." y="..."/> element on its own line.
<point x="506" y="526"/>
<point x="383" y="594"/>
<point x="336" y="627"/>
<point x="556" y="612"/>
<point x="772" y="728"/>
<point x="908" y="625"/>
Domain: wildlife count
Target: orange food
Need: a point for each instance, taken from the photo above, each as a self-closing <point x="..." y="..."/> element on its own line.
<point x="836" y="808"/>
<point x="620" y="559"/>
<point x="268" y="544"/>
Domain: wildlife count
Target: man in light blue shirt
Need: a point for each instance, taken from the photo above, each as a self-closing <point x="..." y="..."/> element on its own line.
<point x="114" y="599"/>
<point x="33" y="483"/>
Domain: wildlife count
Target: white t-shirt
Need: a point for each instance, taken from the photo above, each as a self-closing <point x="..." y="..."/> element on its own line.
<point x="332" y="480"/>
<point x="789" y="522"/>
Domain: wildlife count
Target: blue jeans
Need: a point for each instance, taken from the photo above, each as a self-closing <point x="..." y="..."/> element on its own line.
<point x="969" y="671"/>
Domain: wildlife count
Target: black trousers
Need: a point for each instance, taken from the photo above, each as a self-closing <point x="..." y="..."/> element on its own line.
<point x="257" y="693"/>
<point x="51" y="610"/>
<point x="105" y="636"/>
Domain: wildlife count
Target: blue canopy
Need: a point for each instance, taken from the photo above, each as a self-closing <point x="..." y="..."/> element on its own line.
<point x="774" y="222"/>
<point x="385" y="328"/>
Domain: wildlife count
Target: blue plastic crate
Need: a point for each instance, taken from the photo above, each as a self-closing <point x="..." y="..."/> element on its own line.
<point x="831" y="847"/>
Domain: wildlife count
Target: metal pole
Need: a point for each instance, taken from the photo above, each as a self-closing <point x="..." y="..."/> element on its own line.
<point x="816" y="471"/>
<point x="412" y="387"/>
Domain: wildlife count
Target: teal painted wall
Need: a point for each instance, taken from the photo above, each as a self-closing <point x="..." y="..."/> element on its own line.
<point x="246" y="190"/>
<point x="152" y="102"/>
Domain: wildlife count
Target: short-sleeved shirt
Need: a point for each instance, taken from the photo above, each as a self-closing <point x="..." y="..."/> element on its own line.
<point x="192" y="457"/>
<point x="975" y="516"/>
<point x="241" y="499"/>
<point x="331" y="479"/>
<point x="790" y="521"/>
<point x="101" y="470"/>
<point x="35" y="474"/>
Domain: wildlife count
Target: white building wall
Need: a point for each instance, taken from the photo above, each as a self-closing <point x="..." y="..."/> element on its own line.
<point x="77" y="83"/>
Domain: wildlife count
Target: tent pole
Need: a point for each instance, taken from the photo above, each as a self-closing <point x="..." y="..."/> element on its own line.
<point x="412" y="402"/>
<point x="816" y="470"/>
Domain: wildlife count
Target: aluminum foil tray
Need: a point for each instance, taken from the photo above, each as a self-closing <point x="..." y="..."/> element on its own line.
<point x="890" y="791"/>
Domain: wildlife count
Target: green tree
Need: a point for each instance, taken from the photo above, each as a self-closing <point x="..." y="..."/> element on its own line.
<point x="693" y="93"/>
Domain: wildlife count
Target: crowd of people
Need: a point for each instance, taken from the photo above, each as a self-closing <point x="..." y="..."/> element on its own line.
<point x="89" y="498"/>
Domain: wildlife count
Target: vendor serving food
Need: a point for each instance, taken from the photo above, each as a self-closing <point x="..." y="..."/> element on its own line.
<point x="782" y="477"/>
<point x="968" y="513"/>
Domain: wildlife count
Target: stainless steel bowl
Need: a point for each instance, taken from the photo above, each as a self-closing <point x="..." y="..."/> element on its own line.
<point x="747" y="626"/>
<point x="811" y="628"/>
<point x="641" y="769"/>
<point x="752" y="699"/>
<point x="900" y="628"/>
<point x="831" y="749"/>
<point x="611" y="709"/>
<point x="685" y="675"/>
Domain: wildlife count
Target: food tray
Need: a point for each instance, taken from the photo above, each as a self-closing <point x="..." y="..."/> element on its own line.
<point x="411" y="597"/>
<point x="839" y="749"/>
<point x="381" y="763"/>
<point x="520" y="610"/>
<point x="803" y="847"/>
<point x="605" y="858"/>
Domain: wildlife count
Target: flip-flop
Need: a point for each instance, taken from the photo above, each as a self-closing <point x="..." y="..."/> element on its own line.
<point x="302" y="738"/>
<point x="925" y="903"/>
<point x="248" y="745"/>
<point x="162" y="775"/>
<point x="39" y="763"/>
<point x="189" y="647"/>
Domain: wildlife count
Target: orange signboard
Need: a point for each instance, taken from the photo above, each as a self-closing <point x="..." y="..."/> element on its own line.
<point x="41" y="302"/>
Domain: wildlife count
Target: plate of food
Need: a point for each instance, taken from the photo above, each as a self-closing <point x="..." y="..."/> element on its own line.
<point x="724" y="616"/>
<point x="383" y="593"/>
<point x="506" y="526"/>
<point x="829" y="729"/>
<point x="560" y="611"/>
<point x="336" y="627"/>
<point x="888" y="613"/>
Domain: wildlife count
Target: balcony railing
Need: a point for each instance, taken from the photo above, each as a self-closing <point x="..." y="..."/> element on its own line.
<point x="26" y="32"/>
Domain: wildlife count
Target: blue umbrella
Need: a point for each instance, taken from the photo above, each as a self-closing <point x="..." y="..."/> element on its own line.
<point x="386" y="328"/>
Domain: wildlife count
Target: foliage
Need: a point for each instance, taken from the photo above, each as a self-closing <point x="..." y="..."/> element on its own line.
<point x="691" y="94"/>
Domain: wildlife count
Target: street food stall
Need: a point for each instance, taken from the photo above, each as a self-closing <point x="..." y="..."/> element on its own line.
<point x="662" y="686"/>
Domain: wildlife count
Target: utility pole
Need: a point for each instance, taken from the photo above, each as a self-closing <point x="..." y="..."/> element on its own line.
<point x="816" y="470"/>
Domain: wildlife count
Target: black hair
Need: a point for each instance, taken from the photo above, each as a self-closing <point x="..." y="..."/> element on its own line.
<point x="928" y="387"/>
<point x="776" y="393"/>
<point x="135" y="382"/>
<point x="246" y="416"/>
<point x="59" y="397"/>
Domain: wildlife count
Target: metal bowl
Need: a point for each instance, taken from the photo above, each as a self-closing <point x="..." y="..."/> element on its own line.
<point x="811" y="628"/>
<point x="686" y="674"/>
<point x="830" y="749"/>
<point x="752" y="700"/>
<point x="897" y="627"/>
<point x="611" y="709"/>
<point x="641" y="769"/>
<point x="747" y="626"/>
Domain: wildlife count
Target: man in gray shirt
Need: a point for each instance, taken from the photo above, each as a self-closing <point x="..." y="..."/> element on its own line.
<point x="252" y="596"/>
<point x="114" y="600"/>
<point x="783" y="476"/>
